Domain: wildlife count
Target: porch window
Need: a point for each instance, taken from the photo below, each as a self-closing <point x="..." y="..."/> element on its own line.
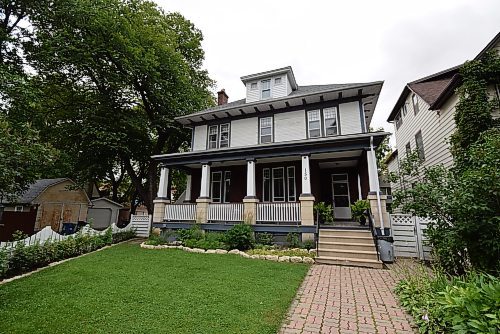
<point x="265" y="89"/>
<point x="278" y="184"/>
<point x="266" y="130"/>
<point x="266" y="185"/>
<point x="290" y="171"/>
<point x="213" y="133"/>
<point x="330" y="121"/>
<point x="224" y="135"/>
<point x="227" y="185"/>
<point x="216" y="187"/>
<point x="419" y="141"/>
<point x="314" y="123"/>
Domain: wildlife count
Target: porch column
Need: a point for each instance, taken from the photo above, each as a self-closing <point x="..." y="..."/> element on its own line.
<point x="378" y="210"/>
<point x="163" y="196"/>
<point x="250" y="200"/>
<point x="360" y="197"/>
<point x="187" y="193"/>
<point x="306" y="199"/>
<point x="204" y="199"/>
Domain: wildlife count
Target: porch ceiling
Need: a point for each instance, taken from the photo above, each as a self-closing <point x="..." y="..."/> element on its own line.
<point x="340" y="147"/>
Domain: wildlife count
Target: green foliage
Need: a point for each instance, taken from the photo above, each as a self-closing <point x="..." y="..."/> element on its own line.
<point x="195" y="232"/>
<point x="309" y="244"/>
<point x="358" y="209"/>
<point x="240" y="237"/>
<point x="25" y="258"/>
<point x="325" y="212"/>
<point x="209" y="240"/>
<point x="264" y="238"/>
<point x="467" y="304"/>
<point x="281" y="252"/>
<point x="293" y="240"/>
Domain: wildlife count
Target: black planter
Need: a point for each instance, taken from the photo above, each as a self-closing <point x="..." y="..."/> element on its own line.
<point x="362" y="221"/>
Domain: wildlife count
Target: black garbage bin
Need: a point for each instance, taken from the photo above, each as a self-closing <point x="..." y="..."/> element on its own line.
<point x="386" y="248"/>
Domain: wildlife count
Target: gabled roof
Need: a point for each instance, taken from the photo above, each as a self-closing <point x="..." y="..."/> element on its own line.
<point x="36" y="189"/>
<point x="107" y="200"/>
<point x="313" y="92"/>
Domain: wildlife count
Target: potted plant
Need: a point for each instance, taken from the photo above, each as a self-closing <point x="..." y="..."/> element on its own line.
<point x="358" y="210"/>
<point x="324" y="212"/>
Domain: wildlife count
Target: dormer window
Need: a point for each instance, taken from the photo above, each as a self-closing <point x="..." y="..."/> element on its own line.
<point x="265" y="89"/>
<point x="253" y="85"/>
<point x="277" y="81"/>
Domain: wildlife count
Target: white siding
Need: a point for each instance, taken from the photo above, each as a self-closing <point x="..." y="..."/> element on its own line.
<point x="200" y="138"/>
<point x="279" y="90"/>
<point x="350" y="121"/>
<point x="288" y="86"/>
<point x="290" y="126"/>
<point x="244" y="132"/>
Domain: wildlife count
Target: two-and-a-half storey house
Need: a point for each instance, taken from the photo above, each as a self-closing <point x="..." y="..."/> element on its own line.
<point x="266" y="159"/>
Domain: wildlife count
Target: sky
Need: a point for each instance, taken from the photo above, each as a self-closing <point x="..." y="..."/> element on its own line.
<point x="339" y="41"/>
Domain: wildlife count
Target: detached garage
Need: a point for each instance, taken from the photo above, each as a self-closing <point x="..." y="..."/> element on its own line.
<point x="103" y="213"/>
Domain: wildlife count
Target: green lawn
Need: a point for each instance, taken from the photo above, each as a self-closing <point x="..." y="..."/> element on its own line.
<point x="126" y="289"/>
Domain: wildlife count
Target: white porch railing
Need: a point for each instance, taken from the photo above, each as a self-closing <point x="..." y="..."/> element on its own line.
<point x="180" y="212"/>
<point x="227" y="212"/>
<point x="278" y="212"/>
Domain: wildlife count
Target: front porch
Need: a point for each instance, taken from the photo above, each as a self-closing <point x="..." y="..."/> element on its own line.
<point x="273" y="190"/>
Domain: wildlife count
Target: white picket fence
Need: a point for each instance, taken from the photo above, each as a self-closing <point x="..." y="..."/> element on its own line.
<point x="227" y="212"/>
<point x="409" y="237"/>
<point x="141" y="224"/>
<point x="278" y="212"/>
<point x="48" y="235"/>
<point x="180" y="212"/>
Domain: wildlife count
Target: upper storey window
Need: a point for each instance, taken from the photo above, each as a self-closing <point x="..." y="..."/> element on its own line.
<point x="218" y="136"/>
<point x="414" y="99"/>
<point x="266" y="130"/>
<point x="330" y="121"/>
<point x="265" y="86"/>
<point x="277" y="81"/>
<point x="253" y="85"/>
<point x="399" y="121"/>
<point x="314" y="123"/>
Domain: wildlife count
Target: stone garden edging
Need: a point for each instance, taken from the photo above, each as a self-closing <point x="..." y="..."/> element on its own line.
<point x="276" y="258"/>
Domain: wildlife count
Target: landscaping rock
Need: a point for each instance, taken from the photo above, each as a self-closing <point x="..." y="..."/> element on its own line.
<point x="187" y="249"/>
<point x="220" y="251"/>
<point x="255" y="257"/>
<point x="284" y="259"/>
<point x="272" y="258"/>
<point x="211" y="251"/>
<point x="308" y="260"/>
<point x="312" y="251"/>
<point x="234" y="251"/>
<point x="295" y="259"/>
<point x="198" y="250"/>
<point x="245" y="255"/>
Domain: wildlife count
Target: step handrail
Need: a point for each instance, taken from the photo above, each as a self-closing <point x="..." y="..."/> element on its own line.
<point x="373" y="231"/>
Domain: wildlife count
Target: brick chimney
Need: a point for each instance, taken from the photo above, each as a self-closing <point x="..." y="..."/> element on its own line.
<point x="222" y="97"/>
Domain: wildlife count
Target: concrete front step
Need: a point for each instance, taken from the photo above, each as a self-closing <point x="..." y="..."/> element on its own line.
<point x="364" y="245"/>
<point x="343" y="239"/>
<point x="349" y="254"/>
<point x="349" y="262"/>
<point x="345" y="233"/>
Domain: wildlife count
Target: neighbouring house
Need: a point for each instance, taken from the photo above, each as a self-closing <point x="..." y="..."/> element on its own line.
<point x="103" y="213"/>
<point x="47" y="202"/>
<point x="423" y="116"/>
<point x="268" y="158"/>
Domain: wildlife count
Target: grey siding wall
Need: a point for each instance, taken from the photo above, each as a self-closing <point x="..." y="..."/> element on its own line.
<point x="200" y="138"/>
<point x="290" y="126"/>
<point x="244" y="132"/>
<point x="350" y="121"/>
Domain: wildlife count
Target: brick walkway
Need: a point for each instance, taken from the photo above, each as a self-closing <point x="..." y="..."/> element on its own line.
<point x="335" y="299"/>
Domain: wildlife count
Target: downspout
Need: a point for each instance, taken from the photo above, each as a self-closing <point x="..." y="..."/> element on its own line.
<point x="379" y="205"/>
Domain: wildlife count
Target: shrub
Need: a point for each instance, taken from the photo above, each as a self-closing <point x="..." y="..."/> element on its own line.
<point x="309" y="244"/>
<point x="324" y="211"/>
<point x="154" y="240"/>
<point x="293" y="240"/>
<point x="264" y="238"/>
<point x="195" y="232"/>
<point x="240" y="237"/>
<point x="281" y="252"/>
<point x="467" y="304"/>
<point x="4" y="264"/>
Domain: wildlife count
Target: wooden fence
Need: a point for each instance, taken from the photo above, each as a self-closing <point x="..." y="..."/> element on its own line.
<point x="278" y="213"/>
<point x="409" y="237"/>
<point x="180" y="212"/>
<point x="227" y="212"/>
<point x="141" y="224"/>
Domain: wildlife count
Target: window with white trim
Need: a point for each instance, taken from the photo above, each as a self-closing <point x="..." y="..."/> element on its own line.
<point x="266" y="130"/>
<point x="216" y="187"/>
<point x="330" y="121"/>
<point x="314" y="123"/>
<point x="213" y="134"/>
<point x="278" y="184"/>
<point x="224" y="135"/>
<point x="408" y="149"/>
<point x="277" y="81"/>
<point x="419" y="142"/>
<point x="265" y="88"/>
<point x="414" y="99"/>
<point x="253" y="85"/>
<point x="399" y="121"/>
<point x="18" y="208"/>
<point x="290" y="171"/>
<point x="266" y="185"/>
<point x="227" y="186"/>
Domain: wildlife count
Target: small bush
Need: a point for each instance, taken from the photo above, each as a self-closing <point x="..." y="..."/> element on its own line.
<point x="293" y="240"/>
<point x="195" y="232"/>
<point x="264" y="238"/>
<point x="240" y="237"/>
<point x="4" y="264"/>
<point x="281" y="252"/>
<point x="468" y="304"/>
<point x="309" y="244"/>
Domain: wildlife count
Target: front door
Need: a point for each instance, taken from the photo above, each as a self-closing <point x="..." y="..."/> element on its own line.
<point x="340" y="192"/>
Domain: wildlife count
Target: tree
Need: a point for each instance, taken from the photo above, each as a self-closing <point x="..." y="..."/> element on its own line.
<point x="114" y="75"/>
<point x="22" y="158"/>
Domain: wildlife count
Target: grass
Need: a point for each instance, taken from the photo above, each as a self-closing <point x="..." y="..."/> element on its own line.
<point x="126" y="289"/>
